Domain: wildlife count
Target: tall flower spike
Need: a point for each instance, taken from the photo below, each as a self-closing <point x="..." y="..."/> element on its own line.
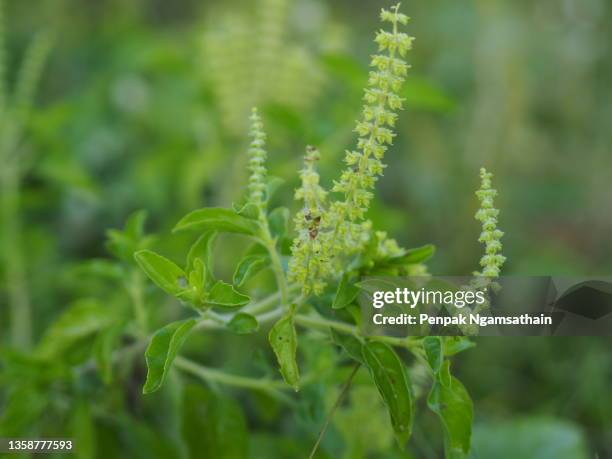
<point x="257" y="160"/>
<point x="309" y="264"/>
<point x="492" y="260"/>
<point x="364" y="165"/>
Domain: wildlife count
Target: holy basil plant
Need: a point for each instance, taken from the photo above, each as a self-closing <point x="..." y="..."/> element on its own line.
<point x="317" y="267"/>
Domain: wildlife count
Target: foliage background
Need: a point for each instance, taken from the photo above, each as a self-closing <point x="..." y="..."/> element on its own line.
<point x="143" y="106"/>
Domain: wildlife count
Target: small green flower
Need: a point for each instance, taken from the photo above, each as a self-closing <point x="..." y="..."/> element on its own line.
<point x="492" y="260"/>
<point x="310" y="261"/>
<point x="375" y="130"/>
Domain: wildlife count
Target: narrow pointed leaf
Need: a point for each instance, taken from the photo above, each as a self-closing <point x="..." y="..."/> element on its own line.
<point x="350" y="344"/>
<point x="453" y="405"/>
<point x="248" y="267"/>
<point x="283" y="340"/>
<point x="434" y="351"/>
<point x="202" y="249"/>
<point x="162" y="350"/>
<point x="391" y="379"/>
<point x="346" y="293"/>
<point x="414" y="256"/>
<point x="164" y="273"/>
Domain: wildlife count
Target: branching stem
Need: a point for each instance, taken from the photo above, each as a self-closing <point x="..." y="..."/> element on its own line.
<point x="272" y="387"/>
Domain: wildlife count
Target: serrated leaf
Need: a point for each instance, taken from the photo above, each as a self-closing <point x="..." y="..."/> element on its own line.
<point x="217" y="219"/>
<point x="350" y="344"/>
<point x="391" y="379"/>
<point x="223" y="295"/>
<point x="415" y="256"/>
<point x="434" y="351"/>
<point x="346" y="293"/>
<point x="453" y="405"/>
<point x="164" y="273"/>
<point x="283" y="339"/>
<point x="248" y="267"/>
<point x="202" y="249"/>
<point x="243" y="324"/>
<point x="278" y="220"/>
<point x="162" y="350"/>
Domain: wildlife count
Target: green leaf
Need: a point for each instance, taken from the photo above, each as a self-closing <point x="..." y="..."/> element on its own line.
<point x="415" y="256"/>
<point x="134" y="226"/>
<point x="104" y="346"/>
<point x="283" y="340"/>
<point x="456" y="344"/>
<point x="278" y="220"/>
<point x="346" y="293"/>
<point x="223" y="295"/>
<point x="213" y="425"/>
<point x="350" y="344"/>
<point x="123" y="244"/>
<point x="246" y="209"/>
<point x="162" y="350"/>
<point x="164" y="273"/>
<point x="202" y="249"/>
<point x="451" y="402"/>
<point x="272" y="186"/>
<point x="433" y="347"/>
<point x="218" y="219"/>
<point x="198" y="276"/>
<point x="82" y="319"/>
<point x="248" y="267"/>
<point x="243" y="324"/>
<point x="391" y="379"/>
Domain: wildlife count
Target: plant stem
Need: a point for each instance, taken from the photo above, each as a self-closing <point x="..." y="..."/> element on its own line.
<point x="15" y="272"/>
<point x="269" y="243"/>
<point x="268" y="302"/>
<point x="269" y="386"/>
<point x="330" y="415"/>
<point x="322" y="323"/>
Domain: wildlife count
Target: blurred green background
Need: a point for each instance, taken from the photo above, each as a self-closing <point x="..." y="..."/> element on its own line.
<point x="144" y="105"/>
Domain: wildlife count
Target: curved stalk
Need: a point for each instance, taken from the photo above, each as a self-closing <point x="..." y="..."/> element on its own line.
<point x="271" y="387"/>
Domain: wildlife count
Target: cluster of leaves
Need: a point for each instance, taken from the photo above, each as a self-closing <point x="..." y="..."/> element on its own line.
<point x="312" y="295"/>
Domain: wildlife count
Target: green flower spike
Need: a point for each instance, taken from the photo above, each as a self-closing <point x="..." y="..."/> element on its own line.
<point x="364" y="165"/>
<point x="492" y="260"/>
<point x="257" y="160"/>
<point x="309" y="264"/>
